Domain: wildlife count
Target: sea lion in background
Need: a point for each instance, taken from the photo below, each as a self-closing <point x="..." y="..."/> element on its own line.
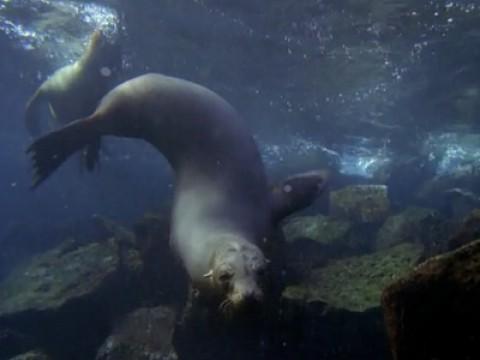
<point x="222" y="208"/>
<point x="74" y="91"/>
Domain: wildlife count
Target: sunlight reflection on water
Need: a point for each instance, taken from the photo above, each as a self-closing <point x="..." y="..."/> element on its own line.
<point x="57" y="28"/>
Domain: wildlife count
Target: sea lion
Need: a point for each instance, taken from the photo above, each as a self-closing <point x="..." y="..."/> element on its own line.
<point x="297" y="192"/>
<point x="74" y="91"/>
<point x="222" y="209"/>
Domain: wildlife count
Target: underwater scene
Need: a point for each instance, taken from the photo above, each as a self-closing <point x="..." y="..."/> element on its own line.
<point x="239" y="179"/>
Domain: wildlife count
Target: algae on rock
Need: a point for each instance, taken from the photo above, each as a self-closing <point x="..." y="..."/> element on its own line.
<point x="144" y="334"/>
<point x="415" y="225"/>
<point x="360" y="203"/>
<point x="356" y="283"/>
<point x="318" y="228"/>
<point x="63" y="274"/>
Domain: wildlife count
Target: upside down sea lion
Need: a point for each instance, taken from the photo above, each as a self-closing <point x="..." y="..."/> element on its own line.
<point x="223" y="209"/>
<point x="74" y="91"/>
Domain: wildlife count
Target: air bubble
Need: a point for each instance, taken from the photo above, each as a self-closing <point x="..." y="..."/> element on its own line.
<point x="287" y="188"/>
<point x="105" y="71"/>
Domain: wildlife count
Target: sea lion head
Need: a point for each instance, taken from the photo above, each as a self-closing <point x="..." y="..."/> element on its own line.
<point x="238" y="275"/>
<point x="103" y="53"/>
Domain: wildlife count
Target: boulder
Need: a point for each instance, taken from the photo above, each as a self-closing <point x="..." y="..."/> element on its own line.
<point x="313" y="240"/>
<point x="66" y="298"/>
<point x="319" y="228"/>
<point x="433" y="312"/>
<point x="13" y="342"/>
<point x="144" y="334"/>
<point x="336" y="313"/>
<point x="415" y="225"/>
<point x="356" y="283"/>
<point x="360" y="203"/>
<point x="152" y="234"/>
<point x="468" y="231"/>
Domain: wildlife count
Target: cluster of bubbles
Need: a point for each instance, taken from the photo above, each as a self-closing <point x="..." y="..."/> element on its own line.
<point x="57" y="29"/>
<point x="360" y="157"/>
<point x="454" y="153"/>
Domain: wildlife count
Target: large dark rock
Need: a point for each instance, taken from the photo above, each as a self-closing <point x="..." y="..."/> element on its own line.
<point x="66" y="298"/>
<point x="433" y="313"/>
<point x="13" y="342"/>
<point x="144" y="334"/>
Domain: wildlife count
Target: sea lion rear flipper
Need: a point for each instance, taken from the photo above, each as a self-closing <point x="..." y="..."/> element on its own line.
<point x="296" y="193"/>
<point x="50" y="151"/>
<point x="54" y="121"/>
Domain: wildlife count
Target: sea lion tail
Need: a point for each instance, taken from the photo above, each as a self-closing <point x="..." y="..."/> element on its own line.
<point x="50" y="151"/>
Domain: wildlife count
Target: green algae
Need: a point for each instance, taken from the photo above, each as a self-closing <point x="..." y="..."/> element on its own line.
<point x="356" y="283"/>
<point x="67" y="272"/>
<point x="360" y="203"/>
<point x="319" y="228"/>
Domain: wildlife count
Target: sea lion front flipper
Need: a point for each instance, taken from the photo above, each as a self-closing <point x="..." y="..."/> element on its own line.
<point x="32" y="112"/>
<point x="297" y="192"/>
<point x="91" y="154"/>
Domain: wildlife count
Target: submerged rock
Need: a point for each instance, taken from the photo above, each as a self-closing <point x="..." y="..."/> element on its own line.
<point x="319" y="228"/>
<point x="336" y="313"/>
<point x="152" y="234"/>
<point x="453" y="193"/>
<point x="13" y="343"/>
<point x="460" y="202"/>
<point x="415" y="225"/>
<point x="468" y="231"/>
<point x="313" y="240"/>
<point x="62" y="275"/>
<point x="356" y="283"/>
<point x="32" y="355"/>
<point x="433" y="313"/>
<point x="66" y="297"/>
<point x="360" y="203"/>
<point x="145" y="334"/>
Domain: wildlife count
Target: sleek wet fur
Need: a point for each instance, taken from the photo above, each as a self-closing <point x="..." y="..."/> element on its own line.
<point x="222" y="208"/>
<point x="297" y="192"/>
<point x="75" y="90"/>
